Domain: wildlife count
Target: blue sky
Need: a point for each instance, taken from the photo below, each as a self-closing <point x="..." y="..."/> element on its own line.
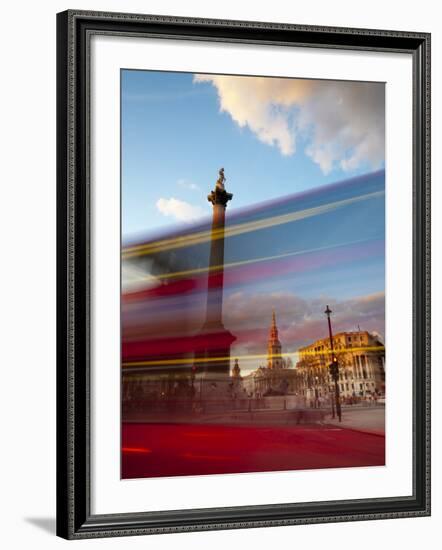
<point x="275" y="138"/>
<point x="175" y="138"/>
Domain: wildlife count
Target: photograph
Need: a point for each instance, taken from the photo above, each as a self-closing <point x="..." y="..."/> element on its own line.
<point x="223" y="255"/>
<point x="243" y="268"/>
<point x="252" y="274"/>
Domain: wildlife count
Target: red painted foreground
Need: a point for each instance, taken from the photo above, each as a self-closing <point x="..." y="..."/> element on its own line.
<point x="155" y="450"/>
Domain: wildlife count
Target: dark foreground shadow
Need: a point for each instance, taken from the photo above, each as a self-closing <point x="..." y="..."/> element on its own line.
<point x="46" y="524"/>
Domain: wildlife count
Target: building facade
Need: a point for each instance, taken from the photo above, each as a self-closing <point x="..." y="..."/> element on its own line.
<point x="361" y="360"/>
<point x="278" y="377"/>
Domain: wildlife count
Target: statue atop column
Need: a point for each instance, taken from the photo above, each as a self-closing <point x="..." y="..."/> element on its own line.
<point x="220" y="181"/>
<point x="219" y="195"/>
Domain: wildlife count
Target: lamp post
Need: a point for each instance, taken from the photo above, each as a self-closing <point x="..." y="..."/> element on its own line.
<point x="334" y="367"/>
<point x="332" y="394"/>
<point x="316" y="393"/>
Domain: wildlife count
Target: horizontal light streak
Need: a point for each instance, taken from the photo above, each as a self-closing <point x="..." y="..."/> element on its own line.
<point x="215" y="268"/>
<point x="204" y="360"/>
<point x="137" y="450"/>
<point x="238" y="229"/>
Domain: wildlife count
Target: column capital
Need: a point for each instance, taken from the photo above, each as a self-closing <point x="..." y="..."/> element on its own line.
<point x="219" y="196"/>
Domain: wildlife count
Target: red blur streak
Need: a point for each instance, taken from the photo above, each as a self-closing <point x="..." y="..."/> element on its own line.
<point x="236" y="449"/>
<point x="172" y="288"/>
<point x="237" y="275"/>
<point x="136" y="450"/>
<point x="175" y="347"/>
<point x="172" y="347"/>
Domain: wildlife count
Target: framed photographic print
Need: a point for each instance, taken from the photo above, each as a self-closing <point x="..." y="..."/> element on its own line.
<point x="243" y="274"/>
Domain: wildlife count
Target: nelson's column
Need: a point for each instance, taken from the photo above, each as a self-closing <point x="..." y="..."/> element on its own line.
<point x="217" y="353"/>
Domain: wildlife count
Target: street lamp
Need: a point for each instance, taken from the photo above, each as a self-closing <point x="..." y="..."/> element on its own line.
<point x="334" y="367"/>
<point x="316" y="392"/>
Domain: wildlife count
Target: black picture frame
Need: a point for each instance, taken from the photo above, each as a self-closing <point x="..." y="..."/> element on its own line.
<point x="74" y="518"/>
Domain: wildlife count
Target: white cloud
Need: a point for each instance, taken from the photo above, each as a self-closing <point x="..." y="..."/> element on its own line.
<point x="180" y="210"/>
<point x="341" y="122"/>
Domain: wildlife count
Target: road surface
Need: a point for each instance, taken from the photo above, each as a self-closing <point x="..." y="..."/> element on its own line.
<point x="155" y="450"/>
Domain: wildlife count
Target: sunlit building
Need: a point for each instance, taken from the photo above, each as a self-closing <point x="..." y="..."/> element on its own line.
<point x="361" y="360"/>
<point x="278" y="377"/>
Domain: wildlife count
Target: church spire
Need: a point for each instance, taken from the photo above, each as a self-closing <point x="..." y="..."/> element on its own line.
<point x="274" y="358"/>
<point x="273" y="327"/>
